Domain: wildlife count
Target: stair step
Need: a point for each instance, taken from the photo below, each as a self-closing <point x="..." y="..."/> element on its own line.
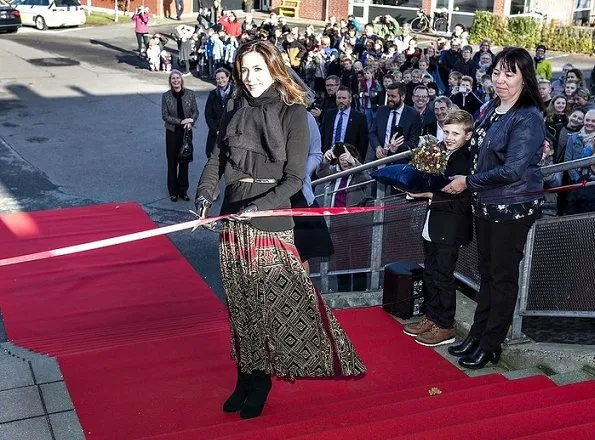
<point x="361" y="415"/>
<point x="571" y="377"/>
<point x="276" y="414"/>
<point x="526" y="372"/>
<point x="442" y="418"/>
<point x="537" y="423"/>
<point x="487" y="370"/>
<point x="576" y="432"/>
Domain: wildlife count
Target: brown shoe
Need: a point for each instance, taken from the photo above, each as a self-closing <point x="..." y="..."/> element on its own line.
<point x="436" y="336"/>
<point x="418" y="327"/>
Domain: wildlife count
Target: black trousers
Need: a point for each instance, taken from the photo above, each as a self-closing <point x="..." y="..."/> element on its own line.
<point x="440" y="291"/>
<point x="500" y="250"/>
<point x="143" y="41"/>
<point x="179" y="8"/>
<point x="177" y="171"/>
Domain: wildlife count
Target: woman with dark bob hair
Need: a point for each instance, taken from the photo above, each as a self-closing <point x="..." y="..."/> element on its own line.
<point x="506" y="181"/>
<point x="279" y="323"/>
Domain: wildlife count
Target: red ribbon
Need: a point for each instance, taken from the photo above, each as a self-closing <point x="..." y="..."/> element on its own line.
<point x="83" y="247"/>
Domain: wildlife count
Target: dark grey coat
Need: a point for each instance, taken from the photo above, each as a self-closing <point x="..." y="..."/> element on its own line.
<point x="169" y="109"/>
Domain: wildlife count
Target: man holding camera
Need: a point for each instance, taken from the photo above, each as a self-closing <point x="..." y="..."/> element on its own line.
<point x="329" y="102"/>
<point x="396" y="127"/>
<point x="344" y="124"/>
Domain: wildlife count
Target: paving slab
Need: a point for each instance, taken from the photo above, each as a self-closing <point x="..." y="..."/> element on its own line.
<point x="56" y="397"/>
<point x="15" y="372"/>
<point x="45" y="368"/>
<point x="30" y="429"/>
<point x="66" y="426"/>
<point x="20" y="403"/>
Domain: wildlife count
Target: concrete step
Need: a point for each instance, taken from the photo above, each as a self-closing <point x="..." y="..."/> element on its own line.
<point x="571" y="377"/>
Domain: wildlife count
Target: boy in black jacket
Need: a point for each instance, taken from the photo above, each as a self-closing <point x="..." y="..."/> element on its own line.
<point x="449" y="224"/>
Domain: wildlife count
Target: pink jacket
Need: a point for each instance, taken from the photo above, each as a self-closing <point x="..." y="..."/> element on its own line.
<point x="141" y="23"/>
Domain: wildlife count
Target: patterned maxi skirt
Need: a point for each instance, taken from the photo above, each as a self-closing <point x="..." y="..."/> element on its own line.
<point x="279" y="322"/>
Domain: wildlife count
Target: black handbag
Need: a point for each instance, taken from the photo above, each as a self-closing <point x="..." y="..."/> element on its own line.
<point x="186" y="149"/>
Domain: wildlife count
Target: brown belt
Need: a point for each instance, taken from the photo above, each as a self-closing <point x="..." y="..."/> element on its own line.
<point x="251" y="180"/>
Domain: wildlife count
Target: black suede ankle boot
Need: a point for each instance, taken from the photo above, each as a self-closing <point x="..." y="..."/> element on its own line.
<point x="238" y="397"/>
<point x="261" y="384"/>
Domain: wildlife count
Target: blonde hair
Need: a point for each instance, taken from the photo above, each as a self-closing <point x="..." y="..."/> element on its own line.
<point x="551" y="110"/>
<point x="459" y="117"/>
<point x="291" y="92"/>
<point x="172" y="73"/>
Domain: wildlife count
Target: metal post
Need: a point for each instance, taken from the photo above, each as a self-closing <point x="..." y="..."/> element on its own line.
<point x="324" y="284"/>
<point x="377" y="234"/>
<point x="115" y="11"/>
<point x="515" y="335"/>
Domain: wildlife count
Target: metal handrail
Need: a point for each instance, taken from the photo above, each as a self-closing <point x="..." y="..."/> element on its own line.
<point x="570" y="165"/>
<point x="363" y="167"/>
<point x="348" y="188"/>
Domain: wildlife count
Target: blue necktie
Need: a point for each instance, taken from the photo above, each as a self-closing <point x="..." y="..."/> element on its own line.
<point x="339" y="128"/>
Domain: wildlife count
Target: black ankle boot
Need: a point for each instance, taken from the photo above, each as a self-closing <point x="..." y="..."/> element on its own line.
<point x="479" y="357"/>
<point x="238" y="397"/>
<point x="467" y="346"/>
<point x="261" y="384"/>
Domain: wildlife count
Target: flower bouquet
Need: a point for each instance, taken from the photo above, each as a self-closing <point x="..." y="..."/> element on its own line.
<point x="424" y="174"/>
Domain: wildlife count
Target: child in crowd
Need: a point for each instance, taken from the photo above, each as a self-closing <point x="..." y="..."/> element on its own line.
<point x="153" y="54"/>
<point x="454" y="79"/>
<point x="165" y="61"/>
<point x="465" y="99"/>
<point x="448" y="225"/>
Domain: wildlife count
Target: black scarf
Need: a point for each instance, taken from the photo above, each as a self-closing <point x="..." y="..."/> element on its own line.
<point x="179" y="105"/>
<point x="255" y="128"/>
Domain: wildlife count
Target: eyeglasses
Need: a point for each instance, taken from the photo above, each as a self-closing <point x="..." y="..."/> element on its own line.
<point x="332" y="84"/>
<point x="421" y="96"/>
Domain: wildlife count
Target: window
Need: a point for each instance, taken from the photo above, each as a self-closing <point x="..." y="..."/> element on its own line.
<point x="403" y="3"/>
<point x="517" y="7"/>
<point x="473" y="5"/>
<point x="582" y="12"/>
<point x="67" y="3"/>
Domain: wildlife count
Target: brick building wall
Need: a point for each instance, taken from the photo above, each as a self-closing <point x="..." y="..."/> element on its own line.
<point x="315" y="9"/>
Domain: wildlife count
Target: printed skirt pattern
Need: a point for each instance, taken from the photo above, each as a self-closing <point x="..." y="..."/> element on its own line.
<point x="279" y="322"/>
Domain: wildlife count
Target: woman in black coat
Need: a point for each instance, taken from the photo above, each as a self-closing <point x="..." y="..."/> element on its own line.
<point x="273" y="306"/>
<point x="506" y="147"/>
<point x="179" y="112"/>
<point x="215" y="106"/>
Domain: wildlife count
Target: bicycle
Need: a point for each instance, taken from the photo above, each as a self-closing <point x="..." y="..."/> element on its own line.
<point x="423" y="22"/>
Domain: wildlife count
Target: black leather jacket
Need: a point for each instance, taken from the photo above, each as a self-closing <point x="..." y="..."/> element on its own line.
<point x="508" y="162"/>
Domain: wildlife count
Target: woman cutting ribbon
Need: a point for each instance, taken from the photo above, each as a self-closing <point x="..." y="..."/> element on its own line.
<point x="279" y="323"/>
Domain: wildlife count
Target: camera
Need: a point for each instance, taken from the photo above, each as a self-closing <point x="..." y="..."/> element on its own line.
<point x="338" y="149"/>
<point x="316" y="104"/>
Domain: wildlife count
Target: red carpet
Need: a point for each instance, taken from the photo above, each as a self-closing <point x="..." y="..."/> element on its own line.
<point x="143" y="346"/>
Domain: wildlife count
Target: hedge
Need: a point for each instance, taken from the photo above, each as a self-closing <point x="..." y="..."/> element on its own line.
<point x="528" y="32"/>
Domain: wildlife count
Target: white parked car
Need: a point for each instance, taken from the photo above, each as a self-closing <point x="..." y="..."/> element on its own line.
<point x="50" y="13"/>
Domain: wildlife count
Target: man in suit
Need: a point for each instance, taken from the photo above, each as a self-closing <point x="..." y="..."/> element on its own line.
<point x="344" y="124"/>
<point x="442" y="105"/>
<point x="396" y="127"/>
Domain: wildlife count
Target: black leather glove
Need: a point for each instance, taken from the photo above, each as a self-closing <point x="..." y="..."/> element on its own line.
<point x="245" y="214"/>
<point x="202" y="206"/>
